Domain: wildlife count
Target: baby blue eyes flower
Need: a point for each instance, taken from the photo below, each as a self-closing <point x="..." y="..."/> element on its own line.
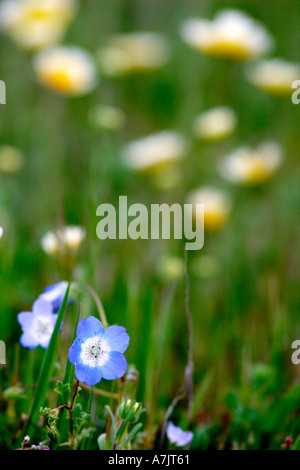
<point x="177" y="436"/>
<point x="37" y="325"/>
<point x="98" y="352"/>
<point x="55" y="294"/>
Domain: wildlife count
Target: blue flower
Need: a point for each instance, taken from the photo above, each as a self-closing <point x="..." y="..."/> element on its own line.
<point x="55" y="294"/>
<point x="97" y="352"/>
<point x="37" y="325"/>
<point x="177" y="436"/>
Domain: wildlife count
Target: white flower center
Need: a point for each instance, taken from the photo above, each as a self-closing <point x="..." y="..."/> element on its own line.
<point x="42" y="328"/>
<point x="94" y="352"/>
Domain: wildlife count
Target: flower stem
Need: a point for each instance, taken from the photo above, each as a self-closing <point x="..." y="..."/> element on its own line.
<point x="98" y="302"/>
<point x="71" y="408"/>
<point x="100" y="392"/>
<point x="190" y="363"/>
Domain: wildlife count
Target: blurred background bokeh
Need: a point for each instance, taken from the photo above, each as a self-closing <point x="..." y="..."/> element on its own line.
<point x="64" y="151"/>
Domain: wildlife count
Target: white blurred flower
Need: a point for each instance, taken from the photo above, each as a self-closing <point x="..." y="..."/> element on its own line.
<point x="274" y="76"/>
<point x="63" y="240"/>
<point x="252" y="166"/>
<point x="217" y="206"/>
<point x="155" y="153"/>
<point x="50" y="243"/>
<point x="171" y="268"/>
<point x="107" y="117"/>
<point x="132" y="52"/>
<point x="72" y="236"/>
<point x="215" y="124"/>
<point x="11" y="159"/>
<point x="232" y="34"/>
<point x="67" y="70"/>
<point x="1" y="232"/>
<point x="35" y="24"/>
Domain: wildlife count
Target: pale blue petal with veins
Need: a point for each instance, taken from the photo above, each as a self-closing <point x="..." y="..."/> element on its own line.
<point x="37" y="325"/>
<point x="97" y="352"/>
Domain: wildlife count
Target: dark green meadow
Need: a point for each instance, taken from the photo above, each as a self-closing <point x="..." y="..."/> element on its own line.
<point x="240" y="292"/>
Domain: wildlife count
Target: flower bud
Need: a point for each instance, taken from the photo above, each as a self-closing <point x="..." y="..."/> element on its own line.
<point x="129" y="410"/>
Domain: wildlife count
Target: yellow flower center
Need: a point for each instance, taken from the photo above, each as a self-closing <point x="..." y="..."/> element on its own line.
<point x="231" y="50"/>
<point x="37" y="14"/>
<point x="277" y="88"/>
<point x="258" y="172"/>
<point x="214" y="220"/>
<point x="59" y="80"/>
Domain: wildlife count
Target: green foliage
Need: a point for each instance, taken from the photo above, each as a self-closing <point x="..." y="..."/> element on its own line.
<point x="244" y="284"/>
<point x="123" y="431"/>
<point x="46" y="370"/>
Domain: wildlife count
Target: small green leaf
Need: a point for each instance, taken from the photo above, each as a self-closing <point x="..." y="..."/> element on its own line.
<point x="13" y="393"/>
<point x="131" y="435"/>
<point x="113" y="430"/>
<point x="296" y="446"/>
<point x="102" y="441"/>
<point x="59" y="387"/>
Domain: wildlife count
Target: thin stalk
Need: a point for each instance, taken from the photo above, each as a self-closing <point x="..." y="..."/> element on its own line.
<point x="70" y="409"/>
<point x="190" y="364"/>
<point x="98" y="302"/>
<point x="98" y="391"/>
<point x="187" y="386"/>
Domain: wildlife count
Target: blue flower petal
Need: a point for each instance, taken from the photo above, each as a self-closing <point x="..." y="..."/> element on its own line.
<point x="75" y="351"/>
<point x="45" y="343"/>
<point x="177" y="436"/>
<point x="25" y="319"/>
<point x="89" y="327"/>
<point x="28" y="341"/>
<point x="116" y="338"/>
<point x="115" y="366"/>
<point x="54" y="317"/>
<point x="90" y="375"/>
<point x="42" y="308"/>
<point x="55" y="294"/>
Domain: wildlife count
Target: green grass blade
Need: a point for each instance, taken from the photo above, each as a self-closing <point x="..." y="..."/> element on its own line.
<point x="131" y="435"/>
<point x="70" y="369"/>
<point x="46" y="371"/>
